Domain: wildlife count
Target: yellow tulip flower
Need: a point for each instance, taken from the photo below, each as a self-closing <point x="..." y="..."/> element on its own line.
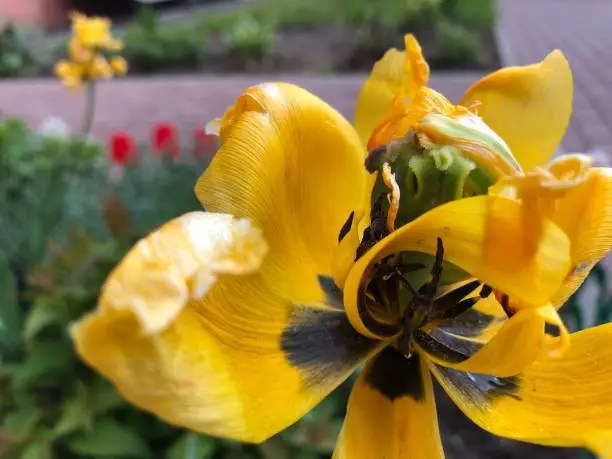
<point x="94" y="32"/>
<point x="431" y="238"/>
<point x="91" y="41"/>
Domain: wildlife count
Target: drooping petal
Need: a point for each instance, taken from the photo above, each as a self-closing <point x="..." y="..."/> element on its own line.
<point x="484" y="235"/>
<point x="294" y="166"/>
<point x="417" y="68"/>
<point x="378" y="91"/>
<point x="585" y="214"/>
<point x="186" y="329"/>
<point x="391" y="412"/>
<point x="404" y="114"/>
<point x="564" y="401"/>
<point x="507" y="352"/>
<point x="529" y="107"/>
<point x="393" y="85"/>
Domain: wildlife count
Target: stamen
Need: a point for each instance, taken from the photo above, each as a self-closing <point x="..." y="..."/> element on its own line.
<point x="505" y="304"/>
<point x="486" y="291"/>
<point x="393" y="197"/>
<point x="447" y="306"/>
<point x="346" y="227"/>
<point x="372" y="161"/>
<point x="458" y="308"/>
<point x="376" y="231"/>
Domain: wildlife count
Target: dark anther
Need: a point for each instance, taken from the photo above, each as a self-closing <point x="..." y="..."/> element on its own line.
<point x="456" y="309"/>
<point x="372" y="161"/>
<point x="486" y="291"/>
<point x="404" y="342"/>
<point x="505" y="304"/>
<point x="346" y="227"/>
<point x="455" y="296"/>
<point x="377" y="229"/>
<point x="452" y="304"/>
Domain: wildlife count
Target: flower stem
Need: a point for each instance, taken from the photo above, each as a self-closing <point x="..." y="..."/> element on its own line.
<point x="90" y="104"/>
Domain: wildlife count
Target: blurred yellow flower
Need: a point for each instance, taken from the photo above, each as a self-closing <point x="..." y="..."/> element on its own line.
<point x="94" y="32"/>
<point x="119" y="65"/>
<point x="88" y="51"/>
<point x="69" y="73"/>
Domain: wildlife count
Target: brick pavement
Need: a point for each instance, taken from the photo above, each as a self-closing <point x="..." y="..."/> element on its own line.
<point x="530" y="29"/>
<point x="135" y="104"/>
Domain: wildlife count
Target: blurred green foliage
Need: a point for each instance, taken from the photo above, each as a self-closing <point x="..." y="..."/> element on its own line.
<point x="248" y="39"/>
<point x="451" y="26"/>
<point x="245" y="37"/>
<point x="40" y="176"/>
<point x="16" y="60"/>
<point x="474" y="13"/>
<point x="456" y="45"/>
<point x="150" y="46"/>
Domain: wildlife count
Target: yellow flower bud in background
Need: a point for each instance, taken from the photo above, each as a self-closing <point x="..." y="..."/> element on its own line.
<point x="79" y="53"/>
<point x="119" y="65"/>
<point x="91" y="32"/>
<point x="100" y="68"/>
<point x="70" y="73"/>
<point x="88" y="50"/>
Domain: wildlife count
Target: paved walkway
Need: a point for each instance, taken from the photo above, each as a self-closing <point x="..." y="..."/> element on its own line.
<point x="529" y="29"/>
<point x="135" y="104"/>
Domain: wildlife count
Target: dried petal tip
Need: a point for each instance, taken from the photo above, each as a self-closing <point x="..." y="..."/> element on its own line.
<point x="178" y="262"/>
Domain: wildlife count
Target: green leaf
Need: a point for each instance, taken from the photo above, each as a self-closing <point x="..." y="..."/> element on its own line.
<point x="37" y="450"/>
<point x="41" y="316"/>
<point x="22" y="421"/>
<point x="108" y="438"/>
<point x="76" y="414"/>
<point x="274" y="448"/>
<point x="103" y="396"/>
<point x="10" y="312"/>
<point x="43" y="361"/>
<point x="192" y="446"/>
<point x="307" y="455"/>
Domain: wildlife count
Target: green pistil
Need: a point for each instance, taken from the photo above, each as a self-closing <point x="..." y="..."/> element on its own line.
<point x="428" y="179"/>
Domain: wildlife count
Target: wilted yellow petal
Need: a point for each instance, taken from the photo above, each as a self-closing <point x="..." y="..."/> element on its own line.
<point x="404" y="115"/>
<point x="585" y="214"/>
<point x="507" y="352"/>
<point x="186" y="328"/>
<point x="378" y="91"/>
<point x="529" y="107"/>
<point x="417" y="69"/>
<point x="564" y="401"/>
<point x="294" y="166"/>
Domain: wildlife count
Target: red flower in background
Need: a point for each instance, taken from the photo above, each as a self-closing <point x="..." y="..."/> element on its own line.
<point x="122" y="148"/>
<point x="204" y="145"/>
<point x="165" y="140"/>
